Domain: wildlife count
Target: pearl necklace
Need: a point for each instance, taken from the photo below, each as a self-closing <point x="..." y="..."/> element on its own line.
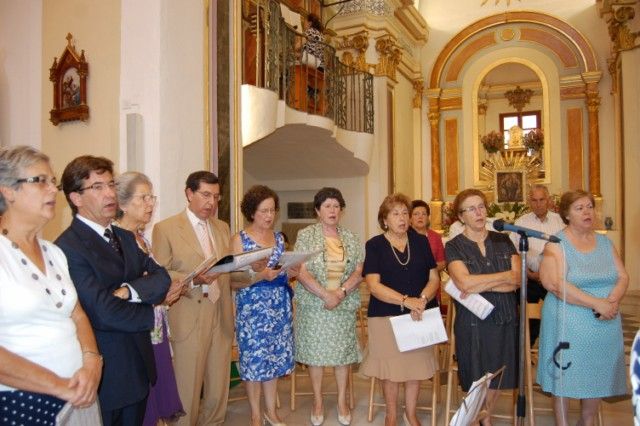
<point x="396" y="254"/>
<point x="35" y="276"/>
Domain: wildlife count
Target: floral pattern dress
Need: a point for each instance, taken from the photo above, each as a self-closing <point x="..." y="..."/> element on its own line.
<point x="264" y="322"/>
<point x="327" y="337"/>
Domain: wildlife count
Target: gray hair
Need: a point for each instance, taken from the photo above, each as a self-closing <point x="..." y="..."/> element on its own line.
<point x="126" y="184"/>
<point x="13" y="162"/>
<point x="538" y="186"/>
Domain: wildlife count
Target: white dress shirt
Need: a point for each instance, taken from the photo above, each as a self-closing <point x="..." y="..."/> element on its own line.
<point x="35" y="309"/>
<point x="135" y="297"/>
<point x="552" y="224"/>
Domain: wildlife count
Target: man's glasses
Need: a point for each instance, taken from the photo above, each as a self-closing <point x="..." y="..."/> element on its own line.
<point x="42" y="180"/>
<point x="99" y="186"/>
<point x="209" y="195"/>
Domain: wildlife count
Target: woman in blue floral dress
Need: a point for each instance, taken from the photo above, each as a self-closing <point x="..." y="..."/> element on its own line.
<point x="264" y="315"/>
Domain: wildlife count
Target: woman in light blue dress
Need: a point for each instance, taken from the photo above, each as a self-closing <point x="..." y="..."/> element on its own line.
<point x="592" y="367"/>
<point x="264" y="314"/>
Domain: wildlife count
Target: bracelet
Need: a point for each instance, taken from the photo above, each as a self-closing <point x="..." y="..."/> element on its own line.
<point x="404" y="298"/>
<point x="96" y="354"/>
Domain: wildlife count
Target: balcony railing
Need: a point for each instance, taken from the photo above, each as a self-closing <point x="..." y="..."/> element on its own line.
<point x="274" y="59"/>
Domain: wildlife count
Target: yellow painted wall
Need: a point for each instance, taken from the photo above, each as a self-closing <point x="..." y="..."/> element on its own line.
<point x="95" y="27"/>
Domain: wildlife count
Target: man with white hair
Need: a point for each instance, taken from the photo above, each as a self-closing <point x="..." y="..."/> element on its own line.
<point x="540" y="218"/>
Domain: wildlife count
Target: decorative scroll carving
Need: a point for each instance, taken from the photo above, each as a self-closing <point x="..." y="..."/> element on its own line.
<point x="358" y="42"/>
<point x="621" y="36"/>
<point x="390" y="55"/>
<point x="418" y="86"/>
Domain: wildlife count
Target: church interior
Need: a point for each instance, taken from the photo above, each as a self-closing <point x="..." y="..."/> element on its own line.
<point x="422" y="97"/>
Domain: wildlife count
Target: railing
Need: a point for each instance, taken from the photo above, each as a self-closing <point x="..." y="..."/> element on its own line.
<point x="274" y="59"/>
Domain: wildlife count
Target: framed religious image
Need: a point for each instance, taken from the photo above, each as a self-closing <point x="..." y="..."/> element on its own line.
<point x="510" y="186"/>
<point x="69" y="78"/>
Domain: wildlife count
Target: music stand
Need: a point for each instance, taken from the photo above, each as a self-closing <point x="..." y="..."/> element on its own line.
<point x="470" y="410"/>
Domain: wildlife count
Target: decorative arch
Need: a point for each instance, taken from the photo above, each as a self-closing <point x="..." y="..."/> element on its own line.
<point x="573" y="54"/>
<point x="566" y="32"/>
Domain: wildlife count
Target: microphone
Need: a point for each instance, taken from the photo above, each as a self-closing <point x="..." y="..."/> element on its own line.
<point x="501" y="225"/>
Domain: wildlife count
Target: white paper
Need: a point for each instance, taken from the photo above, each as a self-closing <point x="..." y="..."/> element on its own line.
<point x="474" y="302"/>
<point x="472" y="403"/>
<point x="412" y="334"/>
<point x="293" y="258"/>
<point x="71" y="416"/>
<point x="229" y="263"/>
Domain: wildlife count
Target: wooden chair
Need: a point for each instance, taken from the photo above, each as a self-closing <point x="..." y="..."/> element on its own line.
<point x="301" y="370"/>
<point x="534" y="311"/>
<point x="435" y="381"/>
<point x="452" y="381"/>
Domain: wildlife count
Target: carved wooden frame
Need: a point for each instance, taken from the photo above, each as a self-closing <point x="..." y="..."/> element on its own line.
<point x="69" y="95"/>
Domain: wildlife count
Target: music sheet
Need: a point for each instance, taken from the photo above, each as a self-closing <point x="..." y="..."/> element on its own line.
<point x="412" y="334"/>
<point x="474" y="302"/>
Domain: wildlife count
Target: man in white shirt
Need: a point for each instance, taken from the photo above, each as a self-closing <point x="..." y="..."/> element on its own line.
<point x="540" y="219"/>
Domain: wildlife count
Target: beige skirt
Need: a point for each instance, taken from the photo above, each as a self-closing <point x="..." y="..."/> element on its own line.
<point x="383" y="360"/>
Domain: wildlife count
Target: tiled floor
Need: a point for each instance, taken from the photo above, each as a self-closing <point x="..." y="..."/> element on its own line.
<point x="618" y="413"/>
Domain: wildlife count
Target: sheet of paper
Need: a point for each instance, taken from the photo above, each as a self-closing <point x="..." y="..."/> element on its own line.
<point x="472" y="403"/>
<point x="412" y="334"/>
<point x="232" y="262"/>
<point x="474" y="302"/>
<point x="293" y="258"/>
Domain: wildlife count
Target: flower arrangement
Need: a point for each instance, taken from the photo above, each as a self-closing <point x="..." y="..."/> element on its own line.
<point x="492" y="142"/>
<point x="508" y="212"/>
<point x="534" y="140"/>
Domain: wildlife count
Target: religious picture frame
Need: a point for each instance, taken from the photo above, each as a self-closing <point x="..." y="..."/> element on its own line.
<point x="69" y="78"/>
<point x="510" y="186"/>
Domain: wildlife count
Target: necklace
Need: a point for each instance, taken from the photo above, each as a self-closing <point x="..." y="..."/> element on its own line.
<point x="36" y="277"/>
<point x="406" y="262"/>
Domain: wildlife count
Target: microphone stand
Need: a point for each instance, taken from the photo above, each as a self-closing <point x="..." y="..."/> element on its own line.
<point x="521" y="405"/>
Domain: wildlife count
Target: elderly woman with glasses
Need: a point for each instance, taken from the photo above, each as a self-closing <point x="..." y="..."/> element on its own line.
<point x="401" y="274"/>
<point x="327" y="301"/>
<point x="135" y="209"/>
<point x="484" y="262"/>
<point x="264" y="313"/>
<point x="48" y="352"/>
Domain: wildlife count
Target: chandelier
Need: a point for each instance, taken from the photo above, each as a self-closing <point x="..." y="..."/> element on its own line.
<point x="518" y="97"/>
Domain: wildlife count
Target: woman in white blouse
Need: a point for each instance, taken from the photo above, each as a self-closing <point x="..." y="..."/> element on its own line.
<point x="48" y="353"/>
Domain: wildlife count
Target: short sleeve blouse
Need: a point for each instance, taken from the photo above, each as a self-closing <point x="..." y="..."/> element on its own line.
<point x="409" y="279"/>
<point x="499" y="249"/>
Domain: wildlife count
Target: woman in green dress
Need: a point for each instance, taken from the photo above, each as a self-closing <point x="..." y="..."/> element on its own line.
<point x="327" y="300"/>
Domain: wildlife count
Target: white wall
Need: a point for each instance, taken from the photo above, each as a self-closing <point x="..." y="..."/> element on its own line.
<point x="21" y="72"/>
<point x="162" y="73"/>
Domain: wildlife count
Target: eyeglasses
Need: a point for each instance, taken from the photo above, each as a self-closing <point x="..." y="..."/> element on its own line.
<point x="99" y="186"/>
<point x="209" y="195"/>
<point x="266" y="211"/>
<point x="42" y="180"/>
<point x="474" y="209"/>
<point x="147" y="198"/>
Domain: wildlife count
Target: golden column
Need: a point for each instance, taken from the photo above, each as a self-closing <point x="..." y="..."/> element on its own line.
<point x="593" y="106"/>
<point x="436" y="183"/>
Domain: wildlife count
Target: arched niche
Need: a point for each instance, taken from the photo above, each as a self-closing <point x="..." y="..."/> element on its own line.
<point x="559" y="55"/>
<point x="547" y="73"/>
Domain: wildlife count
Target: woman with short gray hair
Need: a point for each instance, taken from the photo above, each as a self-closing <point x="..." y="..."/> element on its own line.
<point x="136" y="202"/>
<point x="48" y="352"/>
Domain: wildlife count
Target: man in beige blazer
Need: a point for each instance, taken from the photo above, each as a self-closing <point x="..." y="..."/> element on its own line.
<point x="201" y="321"/>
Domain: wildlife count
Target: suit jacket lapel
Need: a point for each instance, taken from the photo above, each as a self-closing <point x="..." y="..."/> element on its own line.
<point x="187" y="233"/>
<point x="95" y="244"/>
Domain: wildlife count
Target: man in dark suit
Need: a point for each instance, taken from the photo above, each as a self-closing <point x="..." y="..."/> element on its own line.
<point x="117" y="285"/>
